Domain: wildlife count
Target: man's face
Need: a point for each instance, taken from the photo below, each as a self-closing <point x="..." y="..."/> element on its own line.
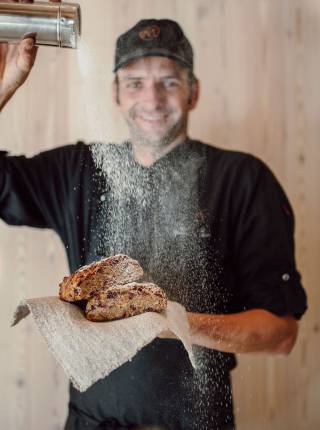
<point x="155" y="97"/>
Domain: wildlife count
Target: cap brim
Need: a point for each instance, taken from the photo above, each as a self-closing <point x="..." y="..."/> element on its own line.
<point x="125" y="60"/>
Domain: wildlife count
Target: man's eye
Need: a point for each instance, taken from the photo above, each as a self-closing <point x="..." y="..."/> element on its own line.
<point x="171" y="83"/>
<point x="134" y="85"/>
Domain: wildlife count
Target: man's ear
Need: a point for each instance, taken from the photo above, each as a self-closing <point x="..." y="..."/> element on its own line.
<point x="115" y="92"/>
<point x="194" y="94"/>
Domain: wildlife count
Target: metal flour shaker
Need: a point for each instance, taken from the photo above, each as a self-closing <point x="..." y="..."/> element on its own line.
<point x="55" y="24"/>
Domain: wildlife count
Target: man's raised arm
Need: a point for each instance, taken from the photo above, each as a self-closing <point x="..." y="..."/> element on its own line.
<point x="16" y="62"/>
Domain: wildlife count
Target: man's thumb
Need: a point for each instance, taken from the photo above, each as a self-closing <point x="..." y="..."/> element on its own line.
<point x="26" y="54"/>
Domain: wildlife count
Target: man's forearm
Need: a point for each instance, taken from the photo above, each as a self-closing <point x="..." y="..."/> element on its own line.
<point x="250" y="331"/>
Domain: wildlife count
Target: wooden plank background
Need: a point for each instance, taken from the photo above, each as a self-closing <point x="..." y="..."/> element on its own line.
<point x="259" y="66"/>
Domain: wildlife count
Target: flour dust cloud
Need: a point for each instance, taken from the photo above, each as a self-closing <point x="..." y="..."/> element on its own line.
<point x="155" y="215"/>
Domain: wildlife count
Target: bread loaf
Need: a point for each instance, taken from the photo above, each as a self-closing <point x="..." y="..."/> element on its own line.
<point x="122" y="301"/>
<point x="82" y="284"/>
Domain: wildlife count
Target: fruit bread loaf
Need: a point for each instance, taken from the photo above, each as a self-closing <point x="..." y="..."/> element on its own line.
<point x="122" y="301"/>
<point x="82" y="284"/>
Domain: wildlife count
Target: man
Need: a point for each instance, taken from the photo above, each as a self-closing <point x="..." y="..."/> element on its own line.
<point x="212" y="227"/>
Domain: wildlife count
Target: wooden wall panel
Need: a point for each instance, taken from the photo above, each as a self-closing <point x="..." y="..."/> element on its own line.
<point x="259" y="65"/>
<point x="34" y="388"/>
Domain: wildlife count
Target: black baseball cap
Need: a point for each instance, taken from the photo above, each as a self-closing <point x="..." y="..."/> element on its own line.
<point x="153" y="37"/>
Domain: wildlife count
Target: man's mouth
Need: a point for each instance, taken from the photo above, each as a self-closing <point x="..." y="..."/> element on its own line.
<point x="153" y="118"/>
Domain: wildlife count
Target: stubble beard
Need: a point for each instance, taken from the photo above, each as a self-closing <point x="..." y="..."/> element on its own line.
<point x="140" y="138"/>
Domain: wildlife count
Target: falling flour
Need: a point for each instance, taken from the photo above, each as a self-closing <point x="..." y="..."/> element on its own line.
<point x="152" y="214"/>
<point x="155" y="216"/>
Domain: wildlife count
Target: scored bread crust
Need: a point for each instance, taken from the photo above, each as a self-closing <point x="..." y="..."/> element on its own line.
<point x="123" y="301"/>
<point x="82" y="284"/>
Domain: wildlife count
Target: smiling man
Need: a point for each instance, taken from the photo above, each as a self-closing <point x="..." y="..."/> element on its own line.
<point x="212" y="227"/>
<point x="156" y="96"/>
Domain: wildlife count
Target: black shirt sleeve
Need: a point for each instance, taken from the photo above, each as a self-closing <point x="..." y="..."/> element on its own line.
<point x="36" y="191"/>
<point x="263" y="250"/>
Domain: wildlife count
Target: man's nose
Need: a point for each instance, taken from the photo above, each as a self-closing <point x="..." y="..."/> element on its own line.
<point x="154" y="94"/>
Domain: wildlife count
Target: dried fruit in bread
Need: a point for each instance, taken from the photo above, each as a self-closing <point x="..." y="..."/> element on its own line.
<point x="123" y="301"/>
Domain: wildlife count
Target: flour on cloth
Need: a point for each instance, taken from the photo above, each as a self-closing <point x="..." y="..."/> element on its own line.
<point x="89" y="351"/>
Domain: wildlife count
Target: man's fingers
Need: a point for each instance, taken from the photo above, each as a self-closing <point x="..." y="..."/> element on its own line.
<point x="30" y="36"/>
<point x="17" y="1"/>
<point x="3" y="54"/>
<point x="27" y="54"/>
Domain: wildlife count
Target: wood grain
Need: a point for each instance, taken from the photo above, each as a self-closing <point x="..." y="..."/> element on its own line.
<point x="259" y="65"/>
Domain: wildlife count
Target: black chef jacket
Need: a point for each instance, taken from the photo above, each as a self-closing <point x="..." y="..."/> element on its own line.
<point x="212" y="227"/>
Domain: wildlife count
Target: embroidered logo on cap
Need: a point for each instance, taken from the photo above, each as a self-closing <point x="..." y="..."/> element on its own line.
<point x="150" y="32"/>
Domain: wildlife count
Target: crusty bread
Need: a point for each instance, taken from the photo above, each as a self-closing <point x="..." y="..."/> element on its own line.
<point x="123" y="301"/>
<point x="82" y="284"/>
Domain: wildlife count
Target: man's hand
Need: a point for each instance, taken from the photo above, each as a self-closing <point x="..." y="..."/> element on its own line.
<point x="16" y="62"/>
